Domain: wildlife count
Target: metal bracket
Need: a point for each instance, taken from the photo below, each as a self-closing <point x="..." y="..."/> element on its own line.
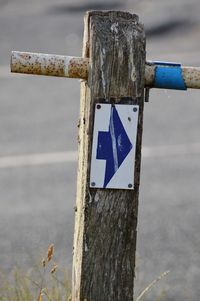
<point x="169" y="76"/>
<point x="146" y="95"/>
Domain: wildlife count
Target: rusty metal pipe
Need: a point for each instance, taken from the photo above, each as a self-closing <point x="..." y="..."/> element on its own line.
<point x="49" y="64"/>
<point x="191" y="77"/>
<point x="77" y="67"/>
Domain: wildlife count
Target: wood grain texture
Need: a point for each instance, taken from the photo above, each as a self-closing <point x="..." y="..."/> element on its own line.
<point x="106" y="219"/>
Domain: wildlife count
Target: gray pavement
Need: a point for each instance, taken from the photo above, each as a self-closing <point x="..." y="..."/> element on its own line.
<point x="39" y="115"/>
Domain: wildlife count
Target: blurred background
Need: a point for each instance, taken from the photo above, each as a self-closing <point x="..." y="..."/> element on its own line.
<point x="38" y="143"/>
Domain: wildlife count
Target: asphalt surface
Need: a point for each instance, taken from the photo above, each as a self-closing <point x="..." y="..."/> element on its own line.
<point x="39" y="116"/>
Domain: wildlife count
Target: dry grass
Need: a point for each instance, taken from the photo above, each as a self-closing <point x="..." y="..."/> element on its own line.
<point x="46" y="282"/>
<point x="149" y="287"/>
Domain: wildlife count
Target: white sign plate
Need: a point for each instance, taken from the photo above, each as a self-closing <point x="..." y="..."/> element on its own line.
<point x="113" y="148"/>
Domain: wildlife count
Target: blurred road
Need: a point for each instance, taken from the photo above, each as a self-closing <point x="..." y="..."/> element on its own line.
<point x="38" y="124"/>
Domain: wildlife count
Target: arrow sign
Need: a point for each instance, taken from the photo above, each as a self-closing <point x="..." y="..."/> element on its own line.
<point x="113" y="146"/>
<point x="113" y="150"/>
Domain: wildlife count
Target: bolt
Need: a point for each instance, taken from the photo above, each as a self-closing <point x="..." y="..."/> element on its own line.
<point x="98" y="107"/>
<point x="93" y="184"/>
<point x="134" y="109"/>
<point x="130" y="185"/>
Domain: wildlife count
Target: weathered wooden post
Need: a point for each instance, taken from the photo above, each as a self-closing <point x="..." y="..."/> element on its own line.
<point x="106" y="219"/>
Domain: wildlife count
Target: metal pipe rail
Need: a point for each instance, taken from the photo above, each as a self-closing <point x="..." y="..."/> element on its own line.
<point x="157" y="74"/>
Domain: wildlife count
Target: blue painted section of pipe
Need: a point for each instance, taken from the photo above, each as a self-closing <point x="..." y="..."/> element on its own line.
<point x="169" y="76"/>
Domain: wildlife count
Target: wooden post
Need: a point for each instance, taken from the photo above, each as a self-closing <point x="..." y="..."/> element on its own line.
<point x="106" y="219"/>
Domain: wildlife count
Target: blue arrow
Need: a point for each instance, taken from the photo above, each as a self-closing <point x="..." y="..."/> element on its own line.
<point x="113" y="146"/>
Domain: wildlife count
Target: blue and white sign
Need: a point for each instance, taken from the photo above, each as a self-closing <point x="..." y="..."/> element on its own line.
<point x="113" y="148"/>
